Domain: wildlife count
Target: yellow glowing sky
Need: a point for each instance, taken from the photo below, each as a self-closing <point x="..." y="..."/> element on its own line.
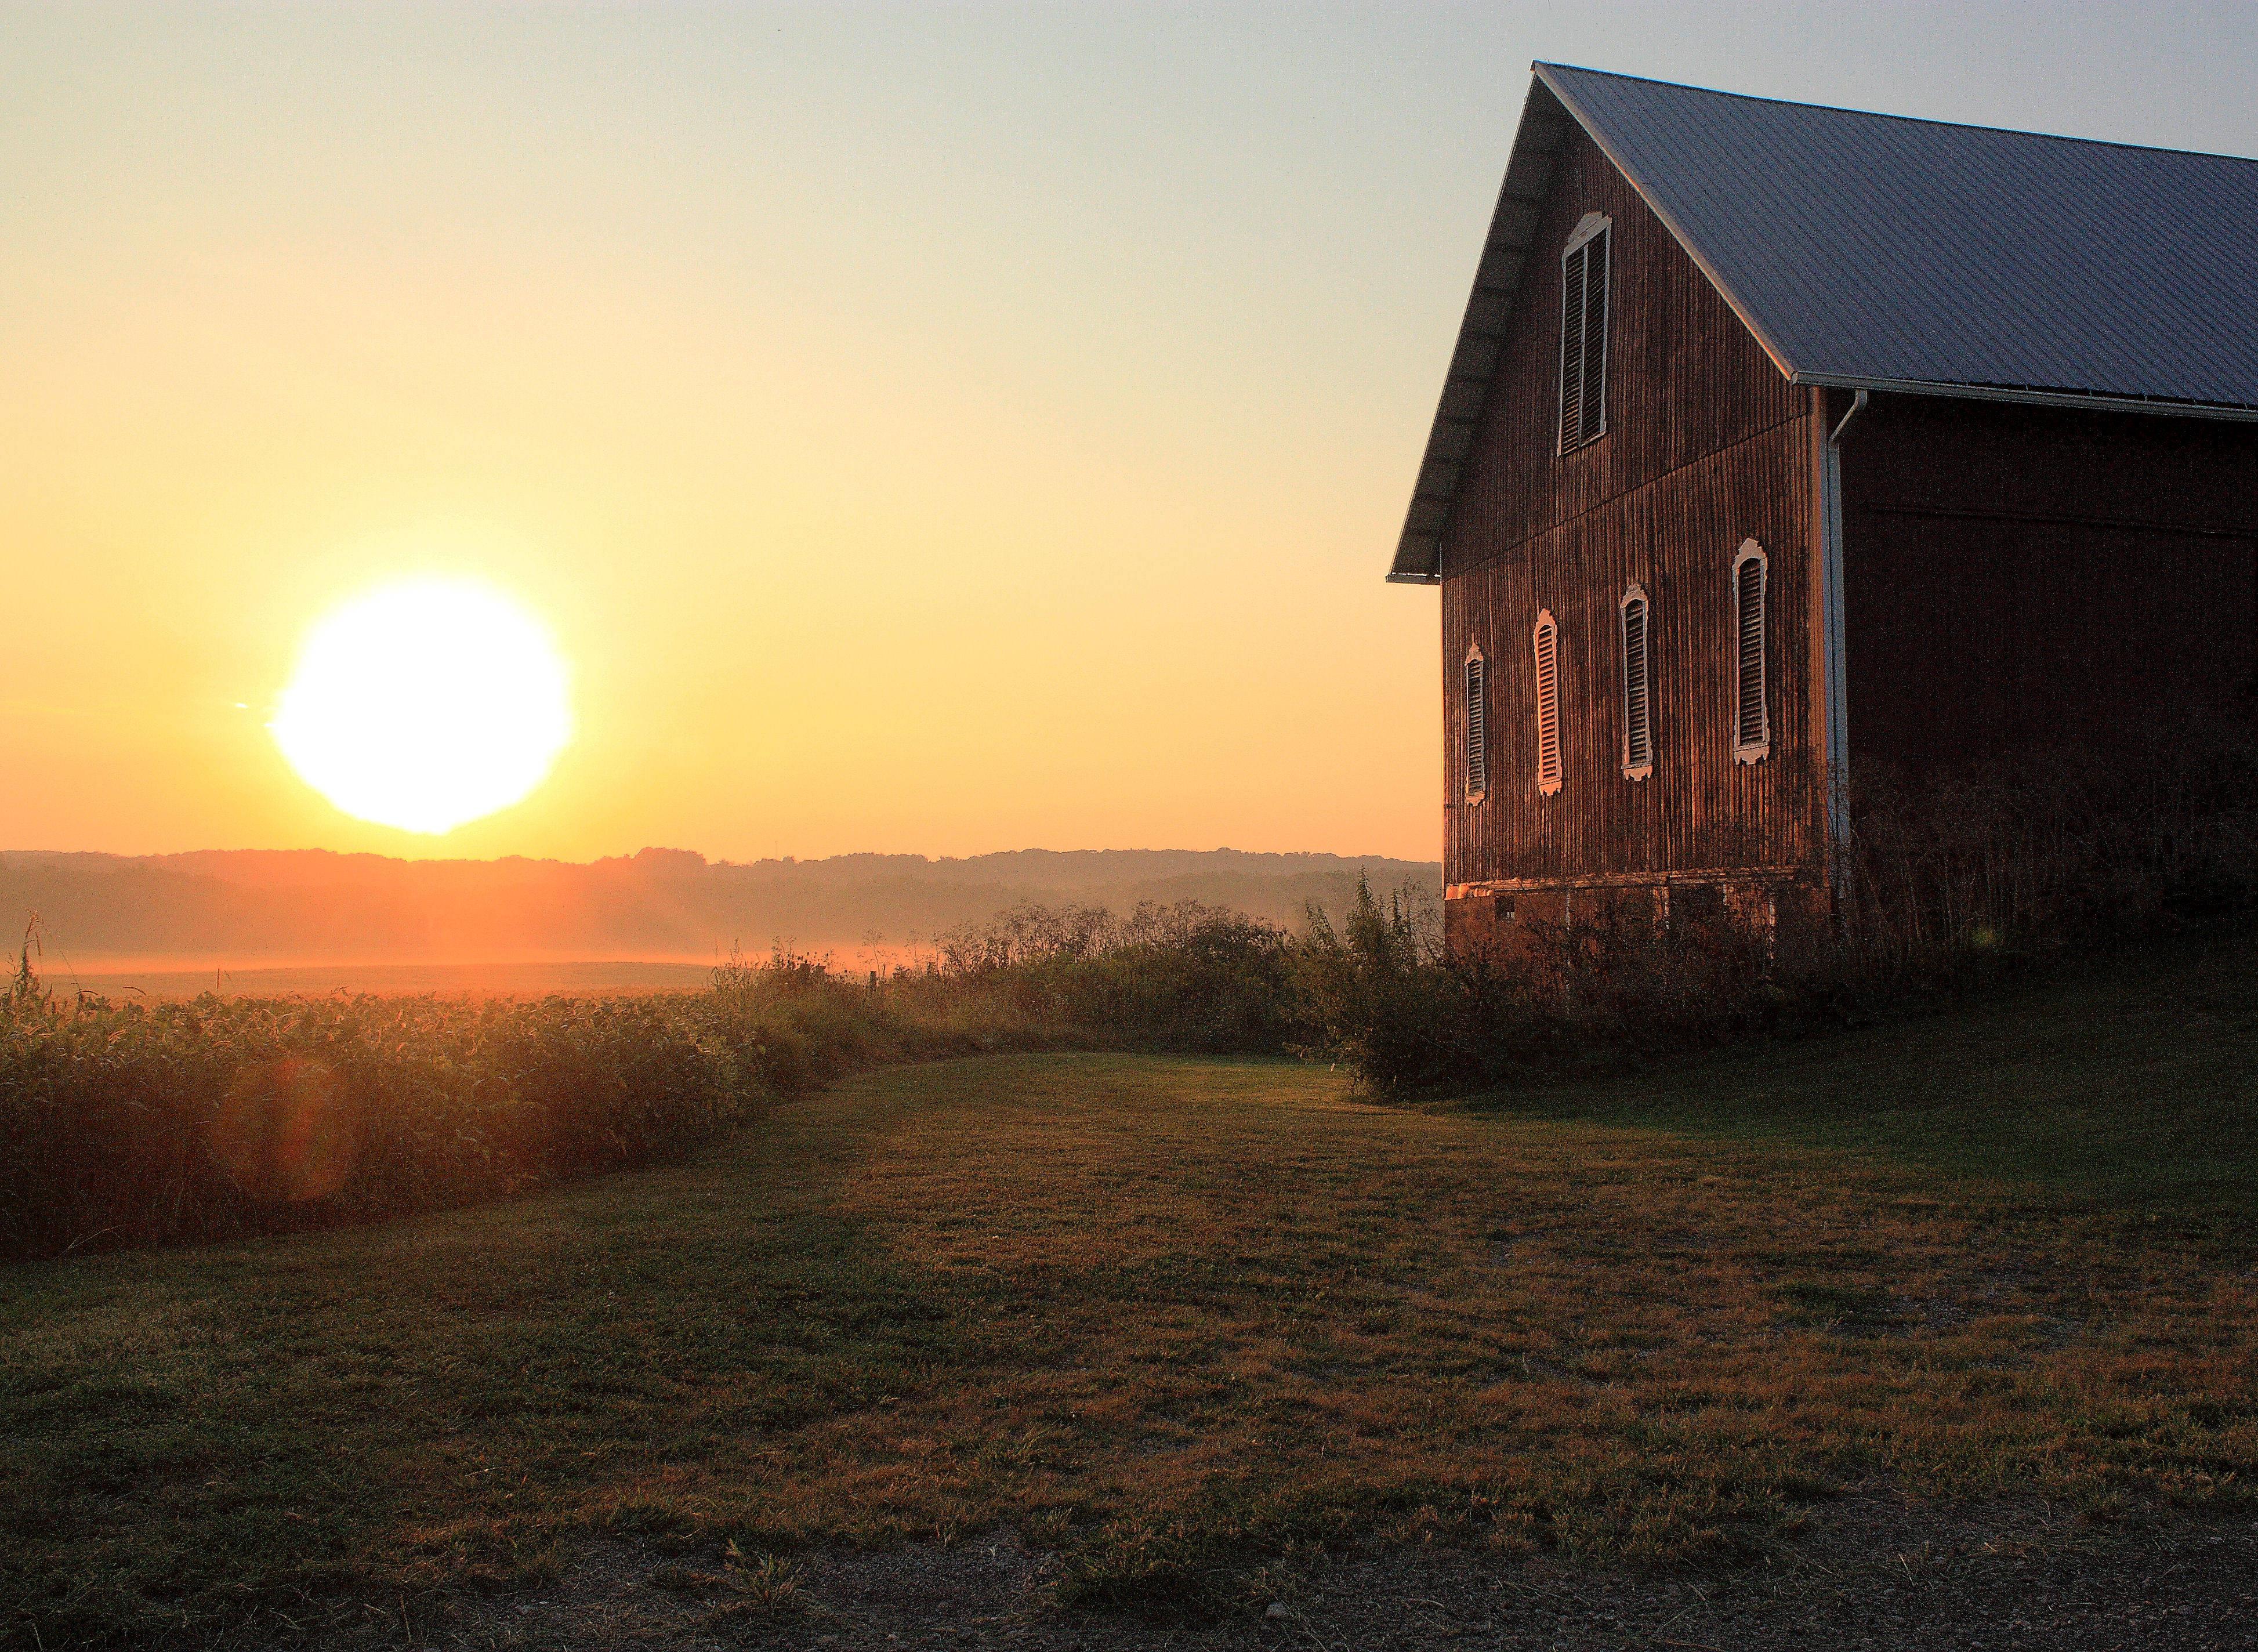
<point x="922" y="429"/>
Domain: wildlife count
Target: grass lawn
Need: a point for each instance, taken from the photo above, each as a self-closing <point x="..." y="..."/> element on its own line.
<point x="1176" y="1317"/>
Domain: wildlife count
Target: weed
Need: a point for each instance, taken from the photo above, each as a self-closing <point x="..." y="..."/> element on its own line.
<point x="123" y="1123"/>
<point x="763" y="1582"/>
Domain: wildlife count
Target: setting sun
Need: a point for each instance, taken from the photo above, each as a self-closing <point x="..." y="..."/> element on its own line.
<point x="425" y="704"/>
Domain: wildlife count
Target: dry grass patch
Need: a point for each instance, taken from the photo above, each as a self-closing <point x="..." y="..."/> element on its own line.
<point x="1179" y="1319"/>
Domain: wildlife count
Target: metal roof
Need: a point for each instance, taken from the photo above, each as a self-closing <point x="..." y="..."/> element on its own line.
<point x="1875" y="252"/>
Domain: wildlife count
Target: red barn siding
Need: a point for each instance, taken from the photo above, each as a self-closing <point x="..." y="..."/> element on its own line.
<point x="1676" y="537"/>
<point x="2013" y="576"/>
<point x="1685" y="378"/>
<point x="1707" y="446"/>
<point x="2019" y="576"/>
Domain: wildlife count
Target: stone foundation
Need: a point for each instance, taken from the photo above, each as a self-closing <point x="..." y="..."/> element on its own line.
<point x="1499" y="921"/>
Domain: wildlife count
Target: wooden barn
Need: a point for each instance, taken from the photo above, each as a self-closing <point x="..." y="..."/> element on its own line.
<point x="1778" y="439"/>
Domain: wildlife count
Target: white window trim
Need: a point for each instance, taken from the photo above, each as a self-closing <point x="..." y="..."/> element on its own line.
<point x="1545" y="621"/>
<point x="1588" y="228"/>
<point x="1636" y="592"/>
<point x="1749" y="751"/>
<point x="1473" y="749"/>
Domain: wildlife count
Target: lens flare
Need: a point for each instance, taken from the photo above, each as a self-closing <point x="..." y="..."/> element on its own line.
<point x="285" y="1133"/>
<point x="425" y="704"/>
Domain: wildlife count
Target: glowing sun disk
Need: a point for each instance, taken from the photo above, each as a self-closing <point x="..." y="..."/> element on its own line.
<point x="424" y="704"/>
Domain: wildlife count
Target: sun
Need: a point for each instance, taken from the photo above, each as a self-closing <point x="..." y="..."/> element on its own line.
<point x="425" y="703"/>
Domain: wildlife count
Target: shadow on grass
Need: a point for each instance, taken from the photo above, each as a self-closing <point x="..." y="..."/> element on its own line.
<point x="265" y="1428"/>
<point x="2132" y="1083"/>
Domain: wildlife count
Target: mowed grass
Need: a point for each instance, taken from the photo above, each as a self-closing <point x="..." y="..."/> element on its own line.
<point x="1180" y="1318"/>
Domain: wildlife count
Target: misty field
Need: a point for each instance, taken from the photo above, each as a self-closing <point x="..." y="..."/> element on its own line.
<point x="1179" y="1322"/>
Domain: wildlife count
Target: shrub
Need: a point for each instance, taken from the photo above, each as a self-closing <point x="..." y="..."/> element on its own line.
<point x="1186" y="976"/>
<point x="1378" y="994"/>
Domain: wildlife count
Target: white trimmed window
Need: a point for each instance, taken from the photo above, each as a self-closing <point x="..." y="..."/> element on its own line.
<point x="1637" y="685"/>
<point x="1547" y="640"/>
<point x="1751" y="719"/>
<point x="1477" y="754"/>
<point x="1583" y="332"/>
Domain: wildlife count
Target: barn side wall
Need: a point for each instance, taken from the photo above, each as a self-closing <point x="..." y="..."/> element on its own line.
<point x="1707" y="446"/>
<point x="2018" y="577"/>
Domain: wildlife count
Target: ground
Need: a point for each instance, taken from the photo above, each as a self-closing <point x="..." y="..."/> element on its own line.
<point x="1870" y="1574"/>
<point x="1935" y="1334"/>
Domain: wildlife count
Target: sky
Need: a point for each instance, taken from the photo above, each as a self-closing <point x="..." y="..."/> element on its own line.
<point x="922" y="428"/>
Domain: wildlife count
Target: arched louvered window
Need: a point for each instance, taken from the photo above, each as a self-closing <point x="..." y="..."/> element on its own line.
<point x="1637" y="685"/>
<point x="1752" y="720"/>
<point x="1583" y="332"/>
<point x="1548" y="703"/>
<point x="1477" y="720"/>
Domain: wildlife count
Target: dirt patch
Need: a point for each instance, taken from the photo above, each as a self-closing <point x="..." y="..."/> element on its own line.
<point x="1873" y="1571"/>
<point x="623" y="1595"/>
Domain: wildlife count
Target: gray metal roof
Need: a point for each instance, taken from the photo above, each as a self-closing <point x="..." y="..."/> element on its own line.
<point x="1878" y="252"/>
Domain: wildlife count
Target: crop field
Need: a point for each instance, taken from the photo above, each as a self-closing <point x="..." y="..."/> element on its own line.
<point x="515" y="978"/>
<point x="1180" y="1323"/>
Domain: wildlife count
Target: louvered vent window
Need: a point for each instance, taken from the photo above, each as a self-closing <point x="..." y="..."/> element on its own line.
<point x="1751" y="725"/>
<point x="1548" y="703"/>
<point x="1584" y="333"/>
<point x="1477" y="730"/>
<point x="1637" y="687"/>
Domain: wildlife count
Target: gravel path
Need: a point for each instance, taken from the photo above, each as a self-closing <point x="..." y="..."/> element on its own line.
<point x="1872" y="1571"/>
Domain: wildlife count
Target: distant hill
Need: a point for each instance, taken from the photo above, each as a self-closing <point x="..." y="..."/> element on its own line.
<point x="248" y="907"/>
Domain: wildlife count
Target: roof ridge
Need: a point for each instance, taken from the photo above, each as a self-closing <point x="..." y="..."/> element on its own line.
<point x="1875" y="114"/>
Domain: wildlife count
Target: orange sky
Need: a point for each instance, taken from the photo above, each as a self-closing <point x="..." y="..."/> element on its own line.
<point x="923" y="428"/>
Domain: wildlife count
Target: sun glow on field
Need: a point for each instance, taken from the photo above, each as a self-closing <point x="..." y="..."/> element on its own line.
<point x="425" y="704"/>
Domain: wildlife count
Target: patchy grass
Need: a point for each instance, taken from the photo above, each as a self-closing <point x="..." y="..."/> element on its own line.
<point x="1180" y="1318"/>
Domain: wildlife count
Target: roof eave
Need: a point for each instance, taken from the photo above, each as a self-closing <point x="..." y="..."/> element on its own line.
<point x="1528" y="173"/>
<point x="2086" y="401"/>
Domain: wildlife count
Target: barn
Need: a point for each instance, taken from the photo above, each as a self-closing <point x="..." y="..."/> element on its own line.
<point x="1778" y="440"/>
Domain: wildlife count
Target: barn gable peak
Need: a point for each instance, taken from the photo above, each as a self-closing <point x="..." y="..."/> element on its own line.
<point x="1879" y="252"/>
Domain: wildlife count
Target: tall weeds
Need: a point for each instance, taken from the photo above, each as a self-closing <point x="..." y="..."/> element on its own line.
<point x="125" y="1123"/>
<point x="1186" y="976"/>
<point x="1938" y="881"/>
<point x="2066" y="846"/>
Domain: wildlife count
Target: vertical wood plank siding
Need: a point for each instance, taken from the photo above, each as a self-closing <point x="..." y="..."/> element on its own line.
<point x="2019" y="576"/>
<point x="1707" y="446"/>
